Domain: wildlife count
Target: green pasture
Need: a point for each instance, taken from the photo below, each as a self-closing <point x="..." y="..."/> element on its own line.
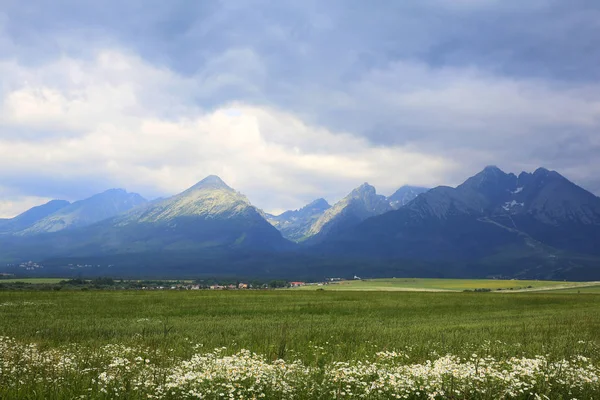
<point x="33" y="280"/>
<point x="582" y="289"/>
<point x="418" y="284"/>
<point x="288" y="323"/>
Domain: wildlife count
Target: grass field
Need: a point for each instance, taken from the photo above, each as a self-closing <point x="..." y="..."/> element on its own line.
<point x="418" y="284"/>
<point x="584" y="289"/>
<point x="315" y="328"/>
<point x="32" y="280"/>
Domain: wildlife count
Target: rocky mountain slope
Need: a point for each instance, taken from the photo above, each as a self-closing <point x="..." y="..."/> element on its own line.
<point x="209" y="214"/>
<point x="294" y="224"/>
<point x="362" y="203"/>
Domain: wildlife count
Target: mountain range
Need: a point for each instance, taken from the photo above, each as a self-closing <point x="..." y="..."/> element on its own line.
<point x="495" y="224"/>
<point x="86" y="212"/>
<point x="31" y="216"/>
<point x="362" y="203"/>
<point x="295" y="224"/>
<point x="318" y="219"/>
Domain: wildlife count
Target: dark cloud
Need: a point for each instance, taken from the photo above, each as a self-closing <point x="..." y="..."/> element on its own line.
<point x="555" y="39"/>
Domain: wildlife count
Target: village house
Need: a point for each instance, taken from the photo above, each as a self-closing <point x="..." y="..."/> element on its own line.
<point x="217" y="287"/>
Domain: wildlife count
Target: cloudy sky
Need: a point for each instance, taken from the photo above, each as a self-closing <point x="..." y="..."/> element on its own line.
<point x="288" y="101"/>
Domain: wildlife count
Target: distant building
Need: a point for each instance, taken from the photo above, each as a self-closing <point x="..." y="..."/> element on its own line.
<point x="296" y="284"/>
<point x="242" y="285"/>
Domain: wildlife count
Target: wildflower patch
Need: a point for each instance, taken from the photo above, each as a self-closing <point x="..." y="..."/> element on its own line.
<point x="118" y="371"/>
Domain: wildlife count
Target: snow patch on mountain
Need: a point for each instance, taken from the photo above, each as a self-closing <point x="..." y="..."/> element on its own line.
<point x="510" y="204"/>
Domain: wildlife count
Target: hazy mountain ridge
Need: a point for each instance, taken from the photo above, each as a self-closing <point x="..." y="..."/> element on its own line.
<point x="294" y="224"/>
<point x="405" y="195"/>
<point x="31" y="216"/>
<point x="313" y="222"/>
<point x="87" y="212"/>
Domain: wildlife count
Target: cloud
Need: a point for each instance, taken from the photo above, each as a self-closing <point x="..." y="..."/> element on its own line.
<point x="14" y="205"/>
<point x="288" y="102"/>
<point x="98" y="126"/>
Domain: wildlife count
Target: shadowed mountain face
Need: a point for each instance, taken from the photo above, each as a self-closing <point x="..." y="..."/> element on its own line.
<point x="294" y="224"/>
<point x="362" y="203"/>
<point x="31" y="216"/>
<point x="543" y="204"/>
<point x="405" y="195"/>
<point x="553" y="210"/>
<point x="86" y="212"/>
<point x="492" y="217"/>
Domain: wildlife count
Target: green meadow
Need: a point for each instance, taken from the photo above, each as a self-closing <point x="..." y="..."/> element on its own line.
<point x="32" y="280"/>
<point x="582" y="289"/>
<point x="422" y="284"/>
<point x="302" y="344"/>
<point x="283" y="322"/>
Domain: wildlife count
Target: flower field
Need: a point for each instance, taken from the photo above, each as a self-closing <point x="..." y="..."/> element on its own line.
<point x="117" y="371"/>
<point x="298" y="345"/>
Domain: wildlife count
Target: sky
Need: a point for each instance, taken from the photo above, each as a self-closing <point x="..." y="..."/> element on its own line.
<point x="289" y="101"/>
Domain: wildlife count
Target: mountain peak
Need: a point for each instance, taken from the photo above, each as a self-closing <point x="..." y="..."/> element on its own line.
<point x="405" y="195"/>
<point x="409" y="188"/>
<point x="490" y="176"/>
<point x="88" y="211"/>
<point x="294" y="224"/>
<point x="31" y="216"/>
<point x="364" y="189"/>
<point x="116" y="194"/>
<point x="546" y="172"/>
<point x="211" y="182"/>
<point x="114" y="191"/>
<point x="492" y="168"/>
<point x="492" y="172"/>
<point x="320" y="204"/>
<point x="57" y="203"/>
<point x="542" y="173"/>
<point x="362" y="203"/>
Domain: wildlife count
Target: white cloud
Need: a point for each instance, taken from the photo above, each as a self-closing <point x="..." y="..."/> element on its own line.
<point x="116" y="120"/>
<point x="17" y="204"/>
<point x="468" y="115"/>
<point x="103" y="120"/>
<point x="290" y="103"/>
